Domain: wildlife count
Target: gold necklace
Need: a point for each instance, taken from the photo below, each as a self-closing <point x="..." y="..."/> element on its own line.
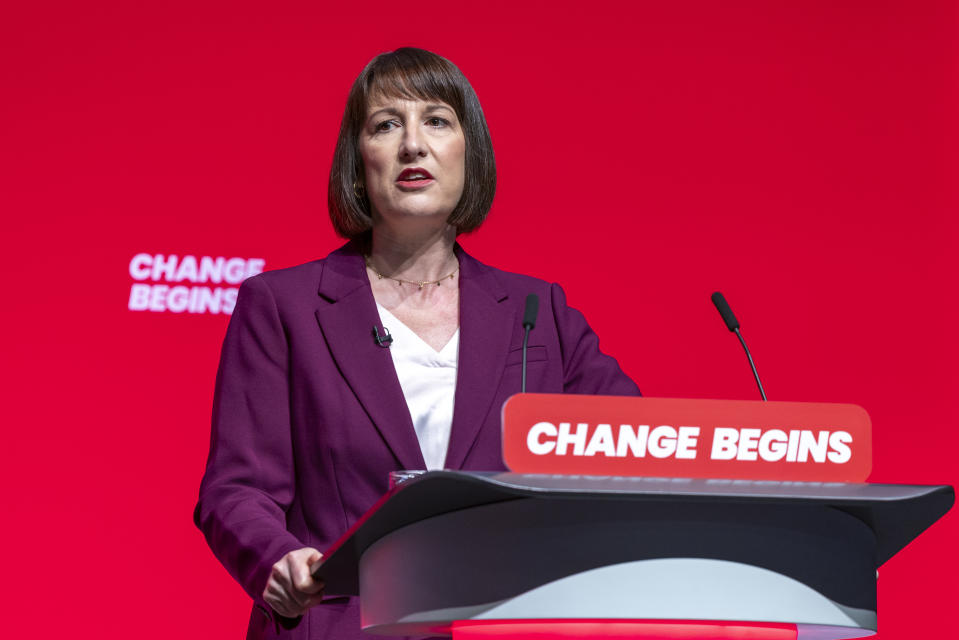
<point x="419" y="283"/>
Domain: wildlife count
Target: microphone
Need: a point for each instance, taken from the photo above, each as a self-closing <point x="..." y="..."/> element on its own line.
<point x="529" y="321"/>
<point x="385" y="340"/>
<point x="733" y="325"/>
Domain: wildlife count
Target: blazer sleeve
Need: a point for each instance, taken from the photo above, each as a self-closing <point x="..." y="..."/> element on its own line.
<point x="586" y="369"/>
<point x="248" y="484"/>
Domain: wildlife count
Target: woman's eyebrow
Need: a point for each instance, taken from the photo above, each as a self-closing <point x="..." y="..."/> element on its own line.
<point x="434" y="106"/>
<point x="389" y="110"/>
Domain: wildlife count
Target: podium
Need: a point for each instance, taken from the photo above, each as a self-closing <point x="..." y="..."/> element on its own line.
<point x="450" y="549"/>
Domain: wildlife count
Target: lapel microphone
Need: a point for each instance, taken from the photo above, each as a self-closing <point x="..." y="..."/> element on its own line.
<point x="385" y="340"/>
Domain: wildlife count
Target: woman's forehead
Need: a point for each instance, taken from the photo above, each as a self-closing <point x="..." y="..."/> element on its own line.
<point x="401" y="102"/>
<point x="388" y="87"/>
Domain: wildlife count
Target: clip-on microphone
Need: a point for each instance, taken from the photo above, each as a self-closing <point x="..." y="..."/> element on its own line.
<point x="383" y="341"/>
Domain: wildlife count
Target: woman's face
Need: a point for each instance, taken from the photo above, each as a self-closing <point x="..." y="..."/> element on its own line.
<point x="414" y="154"/>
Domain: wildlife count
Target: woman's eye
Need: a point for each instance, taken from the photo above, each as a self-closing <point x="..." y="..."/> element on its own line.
<point x="436" y="121"/>
<point x="386" y="125"/>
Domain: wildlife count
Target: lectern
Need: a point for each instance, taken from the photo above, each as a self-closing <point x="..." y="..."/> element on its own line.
<point x="452" y="550"/>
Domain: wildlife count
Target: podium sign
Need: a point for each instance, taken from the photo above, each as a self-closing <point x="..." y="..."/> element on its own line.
<point x="679" y="438"/>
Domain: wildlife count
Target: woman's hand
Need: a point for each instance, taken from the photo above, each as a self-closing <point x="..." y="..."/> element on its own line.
<point x="291" y="589"/>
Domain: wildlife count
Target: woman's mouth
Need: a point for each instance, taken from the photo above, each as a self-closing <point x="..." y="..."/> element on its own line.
<point x="414" y="178"/>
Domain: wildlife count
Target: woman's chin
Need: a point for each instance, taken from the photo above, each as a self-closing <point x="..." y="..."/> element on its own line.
<point x="415" y="217"/>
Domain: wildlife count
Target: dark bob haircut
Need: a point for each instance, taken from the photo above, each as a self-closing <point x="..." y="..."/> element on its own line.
<point x="411" y="74"/>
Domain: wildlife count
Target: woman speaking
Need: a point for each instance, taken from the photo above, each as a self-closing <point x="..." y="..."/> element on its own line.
<point x="396" y="351"/>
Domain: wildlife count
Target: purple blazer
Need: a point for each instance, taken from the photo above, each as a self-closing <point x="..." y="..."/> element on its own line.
<point x="309" y="417"/>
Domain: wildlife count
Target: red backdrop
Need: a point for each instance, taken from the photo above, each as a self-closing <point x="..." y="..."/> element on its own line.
<point x="800" y="156"/>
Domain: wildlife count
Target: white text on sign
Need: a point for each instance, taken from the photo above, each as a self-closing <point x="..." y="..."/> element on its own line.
<point x="665" y="441"/>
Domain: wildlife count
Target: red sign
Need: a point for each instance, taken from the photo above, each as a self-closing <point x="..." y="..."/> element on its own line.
<point x="676" y="438"/>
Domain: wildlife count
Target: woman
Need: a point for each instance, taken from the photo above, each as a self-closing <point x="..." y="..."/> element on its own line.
<point x="313" y="409"/>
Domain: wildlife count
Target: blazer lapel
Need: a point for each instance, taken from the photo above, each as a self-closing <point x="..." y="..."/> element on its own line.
<point x="486" y="325"/>
<point x="346" y="318"/>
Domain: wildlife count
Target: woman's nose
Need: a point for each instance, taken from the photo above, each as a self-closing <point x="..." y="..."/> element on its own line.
<point x="412" y="144"/>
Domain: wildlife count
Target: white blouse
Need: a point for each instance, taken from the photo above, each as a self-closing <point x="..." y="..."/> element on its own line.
<point x="428" y="380"/>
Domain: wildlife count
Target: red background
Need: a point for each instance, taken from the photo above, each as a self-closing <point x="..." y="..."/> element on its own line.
<point x="800" y="156"/>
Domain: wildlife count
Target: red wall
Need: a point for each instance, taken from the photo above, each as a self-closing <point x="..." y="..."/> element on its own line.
<point x="800" y="156"/>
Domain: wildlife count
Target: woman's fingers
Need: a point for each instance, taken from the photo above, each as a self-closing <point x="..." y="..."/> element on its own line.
<point x="291" y="589"/>
<point x="300" y="573"/>
<point x="281" y="602"/>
